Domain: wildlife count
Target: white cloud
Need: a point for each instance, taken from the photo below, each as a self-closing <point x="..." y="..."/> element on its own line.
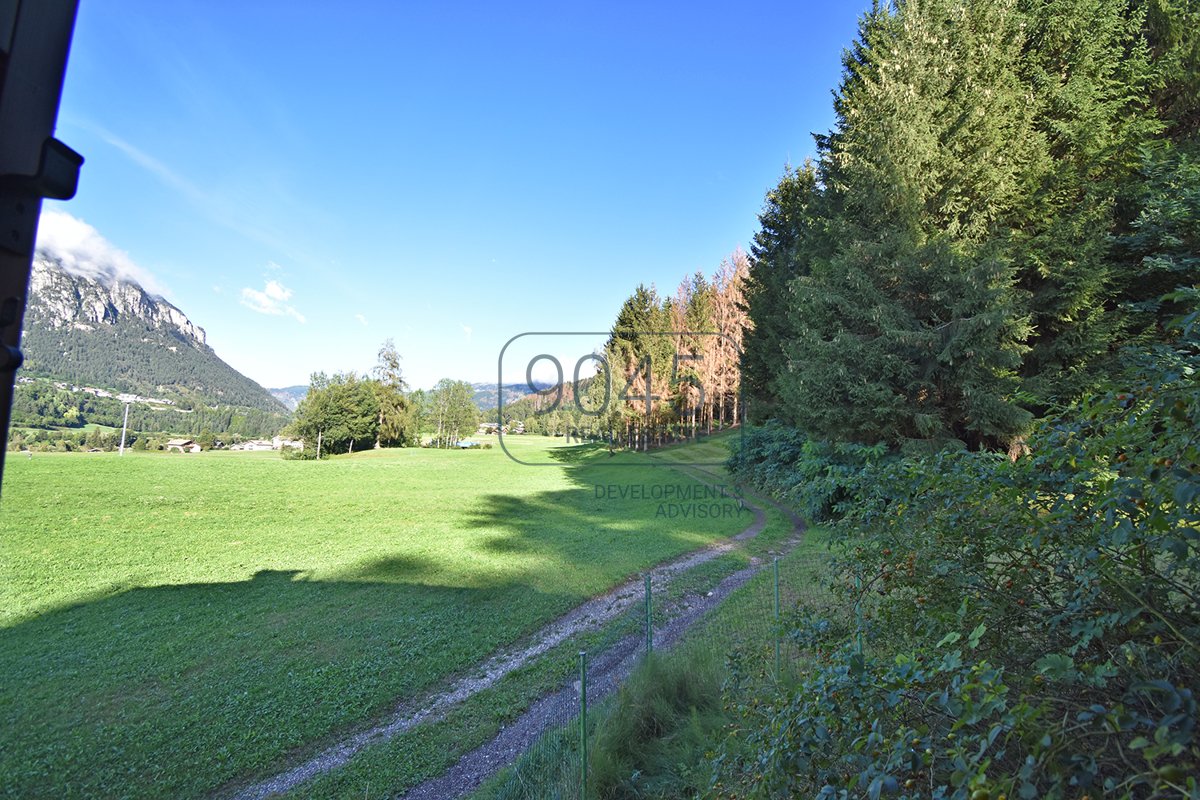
<point x="361" y="319"/>
<point x="272" y="300"/>
<point x="467" y="330"/>
<point x="83" y="251"/>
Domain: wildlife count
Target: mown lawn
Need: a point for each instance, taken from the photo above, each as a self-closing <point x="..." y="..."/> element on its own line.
<point x="171" y="625"/>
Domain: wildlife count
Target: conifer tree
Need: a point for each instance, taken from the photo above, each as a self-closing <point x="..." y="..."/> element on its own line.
<point x="1090" y="95"/>
<point x="784" y="243"/>
<point x="906" y="323"/>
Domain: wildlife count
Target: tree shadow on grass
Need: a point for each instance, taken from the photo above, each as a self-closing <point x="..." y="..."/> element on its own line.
<point x="175" y="691"/>
<point x="179" y="690"/>
<point x="611" y="524"/>
<point x="577" y="453"/>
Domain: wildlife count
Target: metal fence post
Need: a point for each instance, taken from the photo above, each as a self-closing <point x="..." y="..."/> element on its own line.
<point x="778" y="633"/>
<point x="649" y="618"/>
<point x="583" y="753"/>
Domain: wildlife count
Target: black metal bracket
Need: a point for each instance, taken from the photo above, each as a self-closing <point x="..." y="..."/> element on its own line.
<point x="57" y="178"/>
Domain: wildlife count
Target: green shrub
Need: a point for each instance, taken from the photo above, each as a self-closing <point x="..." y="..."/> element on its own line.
<point x="1030" y="628"/>
<point x="816" y="477"/>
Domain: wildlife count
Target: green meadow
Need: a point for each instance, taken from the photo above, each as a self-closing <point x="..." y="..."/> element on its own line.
<point x="177" y="625"/>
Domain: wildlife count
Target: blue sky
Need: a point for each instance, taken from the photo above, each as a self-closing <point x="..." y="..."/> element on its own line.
<point x="307" y="179"/>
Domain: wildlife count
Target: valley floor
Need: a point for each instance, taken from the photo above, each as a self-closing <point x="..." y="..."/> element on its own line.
<point x="178" y="625"/>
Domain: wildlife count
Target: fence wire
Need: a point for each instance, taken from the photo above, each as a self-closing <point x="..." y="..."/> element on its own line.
<point x="742" y="623"/>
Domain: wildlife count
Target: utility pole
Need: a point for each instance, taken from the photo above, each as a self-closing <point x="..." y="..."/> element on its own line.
<point x="124" y="427"/>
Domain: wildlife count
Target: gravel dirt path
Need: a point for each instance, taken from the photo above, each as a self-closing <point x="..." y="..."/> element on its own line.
<point x="606" y="671"/>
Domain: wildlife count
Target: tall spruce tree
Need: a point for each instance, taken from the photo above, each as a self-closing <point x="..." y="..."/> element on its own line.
<point x="905" y="318"/>
<point x="639" y="351"/>
<point x="786" y="239"/>
<point x="694" y="353"/>
<point x="1161" y="246"/>
<point x="1172" y="29"/>
<point x="1087" y="71"/>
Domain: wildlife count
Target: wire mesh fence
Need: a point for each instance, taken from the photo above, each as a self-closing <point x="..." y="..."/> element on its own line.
<point x="557" y="725"/>
<point x="686" y="641"/>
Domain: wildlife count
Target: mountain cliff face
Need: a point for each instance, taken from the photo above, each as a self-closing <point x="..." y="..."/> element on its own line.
<point x="100" y="329"/>
<point x="60" y="299"/>
<point x="290" y="396"/>
<point x="487" y="395"/>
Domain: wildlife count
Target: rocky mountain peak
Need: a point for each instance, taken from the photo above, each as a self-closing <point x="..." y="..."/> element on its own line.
<point x="62" y="297"/>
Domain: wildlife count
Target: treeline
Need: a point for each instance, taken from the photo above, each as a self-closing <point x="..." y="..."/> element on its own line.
<point x="132" y="356"/>
<point x="1008" y="193"/>
<point x="972" y="348"/>
<point x="345" y="411"/>
<point x="669" y="369"/>
<point x="73" y="440"/>
<point x="40" y="404"/>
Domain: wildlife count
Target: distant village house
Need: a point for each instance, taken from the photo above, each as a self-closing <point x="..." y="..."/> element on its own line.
<point x="183" y="446"/>
<point x="491" y="428"/>
<point x="277" y="443"/>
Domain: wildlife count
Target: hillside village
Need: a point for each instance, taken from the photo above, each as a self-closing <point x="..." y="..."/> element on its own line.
<point x="124" y="397"/>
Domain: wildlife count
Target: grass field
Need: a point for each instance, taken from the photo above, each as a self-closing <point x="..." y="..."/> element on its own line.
<point x="176" y="624"/>
<point x="390" y="767"/>
<point x="656" y="737"/>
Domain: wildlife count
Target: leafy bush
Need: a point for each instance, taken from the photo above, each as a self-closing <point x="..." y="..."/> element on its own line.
<point x="767" y="454"/>
<point x="1030" y="628"/>
<point x="817" y="477"/>
<point x="299" y="453"/>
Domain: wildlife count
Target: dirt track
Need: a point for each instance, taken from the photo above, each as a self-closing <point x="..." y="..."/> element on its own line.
<point x="606" y="671"/>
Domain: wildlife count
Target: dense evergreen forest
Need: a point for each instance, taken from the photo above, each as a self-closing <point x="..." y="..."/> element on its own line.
<point x="1008" y="194"/>
<point x="668" y="371"/>
<point x="130" y="356"/>
<point x="972" y="352"/>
